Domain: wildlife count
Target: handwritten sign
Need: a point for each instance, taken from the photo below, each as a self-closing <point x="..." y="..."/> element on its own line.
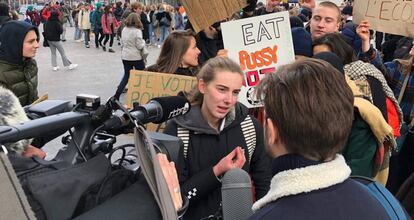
<point x="259" y="44"/>
<point x="203" y="13"/>
<point x="143" y="85"/>
<point x="389" y="16"/>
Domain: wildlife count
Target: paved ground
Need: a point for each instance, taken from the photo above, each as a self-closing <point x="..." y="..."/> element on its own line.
<point x="98" y="73"/>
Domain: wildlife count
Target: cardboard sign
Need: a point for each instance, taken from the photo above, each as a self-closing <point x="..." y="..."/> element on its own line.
<point x="203" y="13"/>
<point x="143" y="86"/>
<point x="259" y="44"/>
<point x="395" y="17"/>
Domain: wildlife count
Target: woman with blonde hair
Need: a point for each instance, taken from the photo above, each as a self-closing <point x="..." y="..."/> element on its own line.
<point x="179" y="55"/>
<point x="132" y="44"/>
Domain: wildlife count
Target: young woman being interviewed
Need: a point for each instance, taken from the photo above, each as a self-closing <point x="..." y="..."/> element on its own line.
<point x="218" y="135"/>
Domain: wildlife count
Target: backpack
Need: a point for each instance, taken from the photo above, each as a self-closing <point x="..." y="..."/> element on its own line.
<point x="383" y="196"/>
<point x="164" y="21"/>
<point x="248" y="130"/>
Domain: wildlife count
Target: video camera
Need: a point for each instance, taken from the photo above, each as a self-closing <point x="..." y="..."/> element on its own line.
<point x="93" y="127"/>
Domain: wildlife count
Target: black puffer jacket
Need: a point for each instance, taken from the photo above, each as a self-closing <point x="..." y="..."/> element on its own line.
<point x="53" y="28"/>
<point x="205" y="149"/>
<point x="17" y="74"/>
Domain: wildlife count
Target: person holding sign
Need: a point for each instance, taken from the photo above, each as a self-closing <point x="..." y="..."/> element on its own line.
<point x="215" y="139"/>
<point x="179" y="55"/>
<point x="399" y="75"/>
<point x="132" y="45"/>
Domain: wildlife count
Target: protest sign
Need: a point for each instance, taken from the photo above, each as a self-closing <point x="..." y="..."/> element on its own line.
<point x="259" y="44"/>
<point x="203" y="13"/>
<point x="143" y="86"/>
<point x="389" y="16"/>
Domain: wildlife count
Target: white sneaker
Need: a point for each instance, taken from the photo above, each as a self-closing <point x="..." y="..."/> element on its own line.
<point x="78" y="41"/>
<point x="56" y="68"/>
<point x="72" y="66"/>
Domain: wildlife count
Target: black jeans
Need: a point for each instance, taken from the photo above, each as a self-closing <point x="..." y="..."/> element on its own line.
<point x="128" y="66"/>
<point x="98" y="40"/>
<point x="111" y="42"/>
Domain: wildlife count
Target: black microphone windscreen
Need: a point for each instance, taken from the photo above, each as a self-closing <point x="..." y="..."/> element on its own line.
<point x="172" y="106"/>
<point x="236" y="194"/>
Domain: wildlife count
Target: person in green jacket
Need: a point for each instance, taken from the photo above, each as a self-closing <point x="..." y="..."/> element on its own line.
<point x="96" y="17"/>
<point x="19" y="42"/>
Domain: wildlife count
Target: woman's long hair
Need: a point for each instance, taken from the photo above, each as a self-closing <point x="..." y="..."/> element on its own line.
<point x="173" y="50"/>
<point x="338" y="46"/>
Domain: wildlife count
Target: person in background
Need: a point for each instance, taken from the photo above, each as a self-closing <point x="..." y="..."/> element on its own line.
<point x="132" y="43"/>
<point x="53" y="30"/>
<point x="145" y="24"/>
<point x="18" y="69"/>
<point x="96" y="24"/>
<point x="64" y="19"/>
<point x="118" y="15"/>
<point x="302" y="43"/>
<point x="75" y="16"/>
<point x="326" y="18"/>
<point x="164" y="22"/>
<point x="179" y="55"/>
<point x="109" y="25"/>
<point x="216" y="141"/>
<point x="33" y="15"/>
<point x="84" y="23"/>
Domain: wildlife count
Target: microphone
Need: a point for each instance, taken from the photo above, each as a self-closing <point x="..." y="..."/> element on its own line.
<point x="161" y="109"/>
<point x="157" y="110"/>
<point x="236" y="195"/>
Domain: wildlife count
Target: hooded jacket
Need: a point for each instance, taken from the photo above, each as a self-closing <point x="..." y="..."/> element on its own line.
<point x="206" y="148"/>
<point x="16" y="73"/>
<point x="53" y="28"/>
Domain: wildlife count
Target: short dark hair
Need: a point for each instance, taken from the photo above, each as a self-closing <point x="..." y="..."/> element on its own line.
<point x="311" y="105"/>
<point x="338" y="45"/>
<point x="333" y="6"/>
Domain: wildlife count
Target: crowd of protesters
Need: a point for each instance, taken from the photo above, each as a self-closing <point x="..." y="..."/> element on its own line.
<point x="345" y="105"/>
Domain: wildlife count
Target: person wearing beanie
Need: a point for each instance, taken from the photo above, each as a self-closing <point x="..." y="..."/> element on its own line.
<point x="347" y="13"/>
<point x="96" y="24"/>
<point x="332" y="59"/>
<point x="249" y="10"/>
<point x="302" y="43"/>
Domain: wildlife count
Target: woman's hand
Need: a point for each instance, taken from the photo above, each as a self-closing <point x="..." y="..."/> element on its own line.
<point x="170" y="175"/>
<point x="234" y="159"/>
<point x="363" y="32"/>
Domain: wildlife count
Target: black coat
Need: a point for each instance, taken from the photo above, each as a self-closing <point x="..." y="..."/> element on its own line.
<point x="205" y="149"/>
<point x="53" y="29"/>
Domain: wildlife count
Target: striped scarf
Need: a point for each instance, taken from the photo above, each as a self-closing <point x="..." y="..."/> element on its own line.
<point x="358" y="70"/>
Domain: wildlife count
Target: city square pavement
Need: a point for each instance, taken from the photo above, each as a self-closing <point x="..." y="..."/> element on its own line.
<point x="98" y="73"/>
